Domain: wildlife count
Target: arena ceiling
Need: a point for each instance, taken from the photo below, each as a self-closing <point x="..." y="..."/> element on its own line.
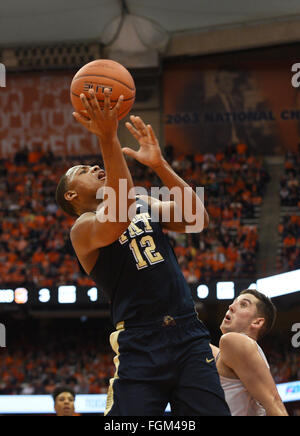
<point x="44" y="21"/>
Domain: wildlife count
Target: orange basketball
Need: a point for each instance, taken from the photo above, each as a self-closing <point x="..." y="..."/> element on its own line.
<point x="101" y="74"/>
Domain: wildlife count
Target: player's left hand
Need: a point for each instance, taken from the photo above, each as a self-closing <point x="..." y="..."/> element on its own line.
<point x="149" y="152"/>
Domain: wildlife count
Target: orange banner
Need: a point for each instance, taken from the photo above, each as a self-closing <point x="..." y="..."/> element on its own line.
<point x="36" y="112"/>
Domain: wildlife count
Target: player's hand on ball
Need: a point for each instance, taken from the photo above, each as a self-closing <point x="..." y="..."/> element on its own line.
<point x="149" y="152"/>
<point x="102" y="122"/>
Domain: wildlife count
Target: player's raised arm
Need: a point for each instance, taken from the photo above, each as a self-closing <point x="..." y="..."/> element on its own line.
<point x="187" y="212"/>
<point x="96" y="230"/>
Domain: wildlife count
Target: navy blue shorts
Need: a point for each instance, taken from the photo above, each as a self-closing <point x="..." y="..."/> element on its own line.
<point x="165" y="362"/>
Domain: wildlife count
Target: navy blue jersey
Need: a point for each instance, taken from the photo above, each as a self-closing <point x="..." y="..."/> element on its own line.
<point x="140" y="275"/>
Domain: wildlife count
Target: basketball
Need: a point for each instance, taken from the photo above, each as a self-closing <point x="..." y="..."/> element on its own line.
<point x="101" y="74"/>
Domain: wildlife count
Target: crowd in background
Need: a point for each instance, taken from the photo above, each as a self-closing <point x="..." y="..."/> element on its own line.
<point x="290" y="184"/>
<point x="38" y="358"/>
<point x="234" y="182"/>
<point x="34" y="233"/>
<point x="289" y="228"/>
<point x="41" y="356"/>
<point x="35" y="248"/>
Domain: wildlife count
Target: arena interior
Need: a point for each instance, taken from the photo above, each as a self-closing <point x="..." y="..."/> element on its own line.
<point x="218" y="83"/>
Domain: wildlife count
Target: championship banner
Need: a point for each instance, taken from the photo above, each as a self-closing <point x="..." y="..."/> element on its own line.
<point x="36" y="113"/>
<point x="210" y="104"/>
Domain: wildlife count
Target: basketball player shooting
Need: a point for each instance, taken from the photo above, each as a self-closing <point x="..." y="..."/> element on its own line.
<point x="162" y="349"/>
<point x="243" y="368"/>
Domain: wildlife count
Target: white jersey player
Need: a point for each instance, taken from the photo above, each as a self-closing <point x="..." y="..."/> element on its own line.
<point x="242" y="366"/>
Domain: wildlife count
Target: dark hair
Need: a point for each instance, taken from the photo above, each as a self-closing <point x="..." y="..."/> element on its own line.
<point x="64" y="204"/>
<point x="60" y="389"/>
<point x="265" y="308"/>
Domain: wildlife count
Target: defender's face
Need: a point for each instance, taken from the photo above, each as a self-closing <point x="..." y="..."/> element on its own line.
<point x="240" y="315"/>
<point x="86" y="178"/>
<point x="64" y="404"/>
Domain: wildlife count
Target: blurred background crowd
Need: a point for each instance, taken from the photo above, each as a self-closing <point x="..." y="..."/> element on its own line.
<point x="41" y="356"/>
<point x="34" y="241"/>
<point x="35" y="248"/>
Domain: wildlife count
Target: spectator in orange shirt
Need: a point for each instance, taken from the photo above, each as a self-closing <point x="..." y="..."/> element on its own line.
<point x="241" y="149"/>
<point x="289" y="241"/>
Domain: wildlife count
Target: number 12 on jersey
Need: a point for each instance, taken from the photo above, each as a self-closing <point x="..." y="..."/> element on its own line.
<point x="145" y="252"/>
